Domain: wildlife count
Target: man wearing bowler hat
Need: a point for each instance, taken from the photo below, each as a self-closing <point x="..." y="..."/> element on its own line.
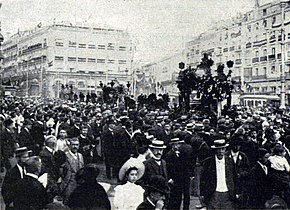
<point x="155" y="165"/>
<point x="217" y="183"/>
<point x="156" y="191"/>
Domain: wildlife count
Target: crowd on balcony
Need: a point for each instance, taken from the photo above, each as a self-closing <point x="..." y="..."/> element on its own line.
<point x="51" y="152"/>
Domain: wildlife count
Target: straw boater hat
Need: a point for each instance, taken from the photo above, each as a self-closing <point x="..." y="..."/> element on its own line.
<point x="176" y="141"/>
<point x="132" y="163"/>
<point x="158" y="144"/>
<point x="21" y="151"/>
<point x="220" y="143"/>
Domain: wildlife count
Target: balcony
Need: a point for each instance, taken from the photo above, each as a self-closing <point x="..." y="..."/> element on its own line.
<point x="271" y="57"/>
<point x="259" y="77"/>
<point x="263" y="58"/>
<point x="255" y="60"/>
<point x="238" y="61"/>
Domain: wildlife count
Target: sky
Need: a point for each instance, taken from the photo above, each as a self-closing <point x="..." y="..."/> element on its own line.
<point x="158" y="27"/>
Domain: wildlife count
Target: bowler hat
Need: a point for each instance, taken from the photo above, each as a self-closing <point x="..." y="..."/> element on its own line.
<point x="158" y="144"/>
<point x="219" y="143"/>
<point x="157" y="183"/>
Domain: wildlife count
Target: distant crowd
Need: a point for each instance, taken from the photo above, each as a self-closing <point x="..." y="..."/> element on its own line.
<point x="158" y="156"/>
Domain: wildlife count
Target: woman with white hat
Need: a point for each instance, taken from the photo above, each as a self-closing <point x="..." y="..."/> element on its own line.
<point x="129" y="195"/>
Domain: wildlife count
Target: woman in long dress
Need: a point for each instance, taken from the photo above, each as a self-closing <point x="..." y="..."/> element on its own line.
<point x="129" y="195"/>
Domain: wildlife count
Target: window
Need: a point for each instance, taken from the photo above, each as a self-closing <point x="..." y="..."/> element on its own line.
<point x="265" y="52"/>
<point x="92" y="60"/>
<point x="71" y="59"/>
<point x="111" y="46"/>
<point x="122" y="61"/>
<point x="81" y="84"/>
<point x="101" y="47"/>
<point x="265" y="70"/>
<point x="44" y="43"/>
<point x="81" y="59"/>
<point x="82" y="45"/>
<point x="122" y="48"/>
<point x="273" y="19"/>
<point x="257" y="71"/>
<point x="264" y="12"/>
<point x="273" y="51"/>
<point x="92" y="46"/>
<point x="58" y="58"/>
<point x="265" y="23"/>
<point x="272" y="69"/>
<point x="111" y="61"/>
<point x="249" y="28"/>
<point x="232" y="48"/>
<point x="101" y="60"/>
<point x="58" y="43"/>
<point x="257" y="26"/>
<point x="225" y="50"/>
<point x="264" y="89"/>
<point x="72" y="44"/>
<point x="257" y="54"/>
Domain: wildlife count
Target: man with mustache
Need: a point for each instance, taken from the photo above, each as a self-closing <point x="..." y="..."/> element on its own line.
<point x="155" y="165"/>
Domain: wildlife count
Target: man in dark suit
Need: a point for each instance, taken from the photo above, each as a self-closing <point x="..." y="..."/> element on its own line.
<point x="37" y="133"/>
<point x="155" y="165"/>
<point x="108" y="148"/>
<point x="47" y="158"/>
<point x="25" y="138"/>
<point x="241" y="170"/>
<point x="157" y="189"/>
<point x="258" y="182"/>
<point x="14" y="175"/>
<point x="217" y="183"/>
<point x="8" y="143"/>
<point x="29" y="192"/>
<point x="123" y="143"/>
<point x="178" y="174"/>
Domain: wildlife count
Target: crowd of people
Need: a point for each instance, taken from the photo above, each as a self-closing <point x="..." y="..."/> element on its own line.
<point x="50" y="150"/>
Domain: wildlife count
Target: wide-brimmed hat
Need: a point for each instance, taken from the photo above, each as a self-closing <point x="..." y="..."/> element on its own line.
<point x="158" y="183"/>
<point x="176" y="141"/>
<point x="158" y="144"/>
<point x="132" y="163"/>
<point x="219" y="143"/>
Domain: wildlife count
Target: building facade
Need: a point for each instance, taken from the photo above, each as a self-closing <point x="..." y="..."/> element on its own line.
<point x="40" y="60"/>
<point x="254" y="42"/>
<point x="160" y="76"/>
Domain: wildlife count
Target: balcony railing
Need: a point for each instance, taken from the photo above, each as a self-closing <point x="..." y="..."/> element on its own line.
<point x="255" y="60"/>
<point x="271" y="57"/>
<point x="263" y="58"/>
<point x="257" y="77"/>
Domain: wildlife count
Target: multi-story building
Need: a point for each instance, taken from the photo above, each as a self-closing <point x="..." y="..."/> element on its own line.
<point x="254" y="42"/>
<point x="40" y="60"/>
<point x="161" y="75"/>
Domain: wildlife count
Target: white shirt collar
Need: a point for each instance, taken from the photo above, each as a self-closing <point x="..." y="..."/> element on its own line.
<point x="21" y="170"/>
<point x="150" y="201"/>
<point x="49" y="149"/>
<point x="32" y="175"/>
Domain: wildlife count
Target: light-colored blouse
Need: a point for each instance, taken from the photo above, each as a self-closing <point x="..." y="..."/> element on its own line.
<point x="128" y="196"/>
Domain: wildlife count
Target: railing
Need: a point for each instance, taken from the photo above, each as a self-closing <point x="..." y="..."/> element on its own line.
<point x="263" y="58"/>
<point x="257" y="77"/>
<point x="271" y="57"/>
